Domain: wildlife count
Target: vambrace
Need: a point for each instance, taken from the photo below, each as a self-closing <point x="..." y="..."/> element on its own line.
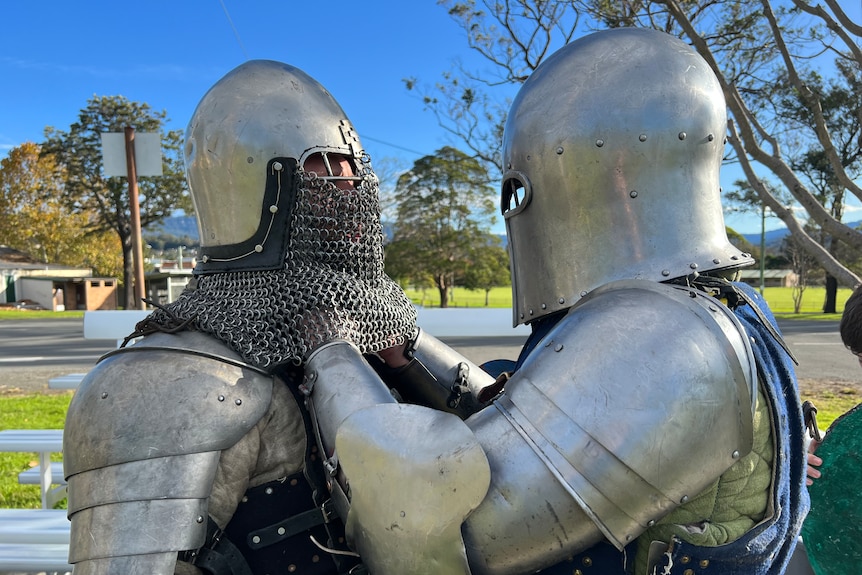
<point x="408" y="475"/>
<point x="142" y="442"/>
<point x="634" y="402"/>
<point x="440" y="377"/>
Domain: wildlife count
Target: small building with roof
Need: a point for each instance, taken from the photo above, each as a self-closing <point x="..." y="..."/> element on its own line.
<point x="28" y="283"/>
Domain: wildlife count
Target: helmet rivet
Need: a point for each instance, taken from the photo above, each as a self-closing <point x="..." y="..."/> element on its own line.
<point x="522" y="316"/>
<point x="238" y="402"/>
<point x="642" y="137"/>
<point x="509" y="166"/>
<point x="558" y="347"/>
<point x="544" y="306"/>
<point x="684" y="499"/>
<point x="277" y="166"/>
<point x="710" y="137"/>
<point x="258" y="248"/>
<point x="681" y="136"/>
<point x="562" y="300"/>
<point x="221" y="398"/>
<point x="273" y="209"/>
<point x="651" y="522"/>
<point x="250" y="160"/>
<point x="582" y="294"/>
<point x="734" y="258"/>
<point x="531" y="312"/>
<point x="633" y="193"/>
<point x="716" y="261"/>
<point x="205" y="259"/>
<point x="693" y="266"/>
<point x="735" y="455"/>
<point x="600" y="143"/>
<point x="560" y="151"/>
<point x="665" y="273"/>
<point x="745" y="254"/>
<point x="199" y="519"/>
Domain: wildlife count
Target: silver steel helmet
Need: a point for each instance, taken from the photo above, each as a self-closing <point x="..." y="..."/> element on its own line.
<point x="611" y="156"/>
<point x="242" y="147"/>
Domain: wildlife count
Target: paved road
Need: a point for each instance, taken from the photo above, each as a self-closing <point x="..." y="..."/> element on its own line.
<point x="32" y="351"/>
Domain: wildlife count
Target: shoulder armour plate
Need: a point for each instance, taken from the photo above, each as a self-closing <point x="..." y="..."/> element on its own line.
<point x="634" y="402"/>
<point x="170" y="394"/>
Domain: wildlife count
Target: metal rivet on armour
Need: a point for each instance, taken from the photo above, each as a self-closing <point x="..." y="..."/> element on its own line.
<point x="250" y="160"/>
<point x="710" y="137"/>
<point x="681" y="135"/>
<point x="258" y="248"/>
<point x="600" y="143"/>
<point x="559" y="150"/>
<point x="273" y="209"/>
<point x="221" y="398"/>
<point x="693" y="266"/>
<point x="277" y="166"/>
<point x="642" y="137"/>
<point x="665" y="273"/>
<point x="238" y="402"/>
<point x="104" y="395"/>
<point x="633" y="193"/>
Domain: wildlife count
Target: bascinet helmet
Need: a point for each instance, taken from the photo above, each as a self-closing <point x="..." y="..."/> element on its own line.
<point x="611" y="156"/>
<point x="242" y="146"/>
<point x="289" y="216"/>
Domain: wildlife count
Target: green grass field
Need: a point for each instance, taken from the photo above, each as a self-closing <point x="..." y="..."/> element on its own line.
<point x="33" y="411"/>
<point x="780" y="300"/>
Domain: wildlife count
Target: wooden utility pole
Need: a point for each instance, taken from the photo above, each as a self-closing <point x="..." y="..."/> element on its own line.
<point x="135" y="208"/>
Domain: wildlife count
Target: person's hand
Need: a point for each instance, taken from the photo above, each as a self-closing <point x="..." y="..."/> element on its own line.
<point x="813" y="463"/>
<point x="394" y="356"/>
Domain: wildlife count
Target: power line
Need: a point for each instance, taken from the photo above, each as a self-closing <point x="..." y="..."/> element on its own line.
<point x="235" y="32"/>
<point x="396" y="146"/>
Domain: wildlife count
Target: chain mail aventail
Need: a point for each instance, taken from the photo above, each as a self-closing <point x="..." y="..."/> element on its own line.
<point x="333" y="284"/>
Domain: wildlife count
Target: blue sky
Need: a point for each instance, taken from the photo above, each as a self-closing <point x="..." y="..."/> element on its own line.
<point x="55" y="55"/>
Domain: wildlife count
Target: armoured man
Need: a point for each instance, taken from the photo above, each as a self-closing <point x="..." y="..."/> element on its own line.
<point x="195" y="442"/>
<point x="683" y="441"/>
<point x="652" y="423"/>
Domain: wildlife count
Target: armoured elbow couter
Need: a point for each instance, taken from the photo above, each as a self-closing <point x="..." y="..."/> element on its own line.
<point x="407" y="476"/>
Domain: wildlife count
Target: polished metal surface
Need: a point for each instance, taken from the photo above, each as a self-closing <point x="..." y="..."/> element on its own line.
<point x="611" y="157"/>
<point x="638" y="381"/>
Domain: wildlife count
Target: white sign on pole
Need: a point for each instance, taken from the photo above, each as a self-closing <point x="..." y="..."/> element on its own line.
<point x="148" y="154"/>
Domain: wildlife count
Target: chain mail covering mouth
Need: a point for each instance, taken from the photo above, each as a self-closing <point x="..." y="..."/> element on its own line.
<point x="332" y="285"/>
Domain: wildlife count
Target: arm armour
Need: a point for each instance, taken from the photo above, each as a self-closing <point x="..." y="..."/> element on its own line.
<point x="407" y="475"/>
<point x="142" y="442"/>
<point x="633" y="403"/>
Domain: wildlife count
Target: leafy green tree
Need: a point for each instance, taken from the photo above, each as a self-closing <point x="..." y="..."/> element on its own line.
<point x="488" y="267"/>
<point x="444" y="208"/>
<point x="34" y="219"/>
<point x="763" y="53"/>
<point x="86" y="188"/>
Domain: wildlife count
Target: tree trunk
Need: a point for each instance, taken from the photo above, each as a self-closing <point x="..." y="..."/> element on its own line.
<point x="128" y="277"/>
<point x="443" y="289"/>
<point x="831" y="294"/>
<point x="487" y="291"/>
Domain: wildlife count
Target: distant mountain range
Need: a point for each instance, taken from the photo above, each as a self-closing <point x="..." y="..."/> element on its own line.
<point x="180" y="226"/>
<point x="186" y="226"/>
